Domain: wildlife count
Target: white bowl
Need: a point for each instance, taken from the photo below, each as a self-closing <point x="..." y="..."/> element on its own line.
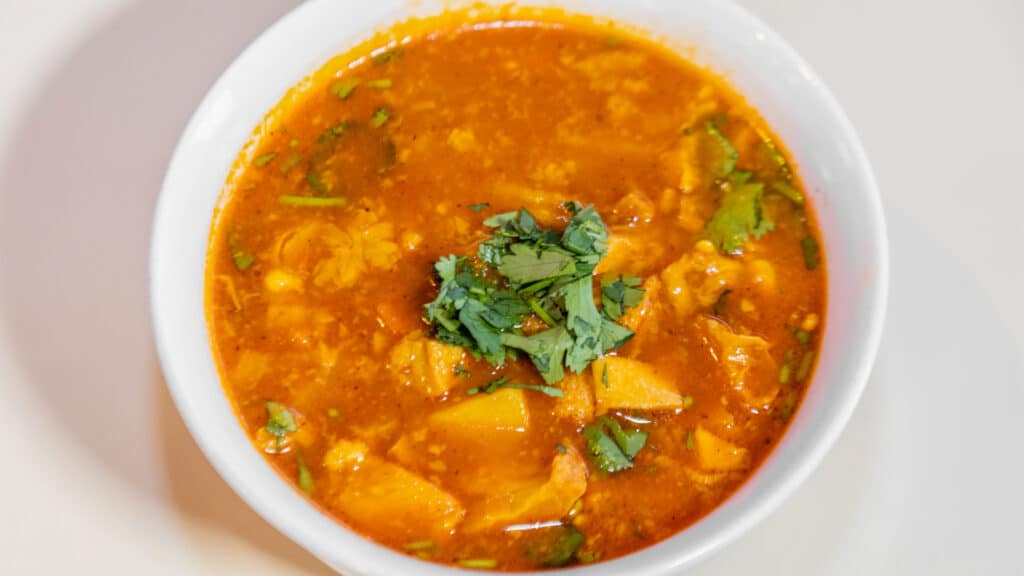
<point x="724" y="37"/>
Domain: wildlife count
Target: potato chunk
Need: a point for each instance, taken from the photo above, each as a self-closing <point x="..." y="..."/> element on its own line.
<point x="389" y="498"/>
<point x="577" y="401"/>
<point x="529" y="503"/>
<point x="504" y="411"/>
<point x="717" y="454"/>
<point x="425" y="363"/>
<point x="697" y="280"/>
<point x="752" y="370"/>
<point x="627" y="383"/>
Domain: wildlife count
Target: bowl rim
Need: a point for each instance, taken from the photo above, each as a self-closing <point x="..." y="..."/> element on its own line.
<point x="390" y="561"/>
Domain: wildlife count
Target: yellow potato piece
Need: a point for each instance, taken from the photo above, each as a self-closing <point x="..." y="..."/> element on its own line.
<point x="627" y="383"/>
<point x="717" y="454"/>
<point x="504" y="410"/>
<point x="426" y="364"/>
<point x="752" y="370"/>
<point x="551" y="500"/>
<point x="346" y="455"/>
<point x="395" y="502"/>
<point x="577" y="401"/>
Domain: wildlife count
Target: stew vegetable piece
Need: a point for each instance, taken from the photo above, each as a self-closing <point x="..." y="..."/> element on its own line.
<point x="515" y="297"/>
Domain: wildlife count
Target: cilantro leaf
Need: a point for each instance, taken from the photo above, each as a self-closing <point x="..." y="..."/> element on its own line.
<point x="524" y="264"/>
<point x="584" y="321"/>
<point x="504" y="382"/>
<point x="619" y="293"/>
<point x="546" y="350"/>
<point x="607" y="455"/>
<point x="344" y="88"/>
<point x="721" y="155"/>
<point x="568" y="541"/>
<point x="242" y="258"/>
<point x="812" y="252"/>
<point x="479" y="207"/>
<point x="740" y="214"/>
<point x="616" y="452"/>
<point x="586" y="233"/>
<point x="280" y="420"/>
<point x="630" y="441"/>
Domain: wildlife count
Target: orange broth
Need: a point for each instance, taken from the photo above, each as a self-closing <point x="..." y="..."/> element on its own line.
<point x="319" y="309"/>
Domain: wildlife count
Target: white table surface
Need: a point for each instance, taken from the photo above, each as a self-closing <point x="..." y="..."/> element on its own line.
<point x="98" y="475"/>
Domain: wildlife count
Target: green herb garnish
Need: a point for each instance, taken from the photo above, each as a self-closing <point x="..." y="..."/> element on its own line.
<point x="786" y="189"/>
<point x="280" y="420"/>
<point x="462" y="372"/>
<point x="310" y="201"/>
<point x="504" y="382"/>
<point x="344" y="88"/>
<point x="806" y="363"/>
<point x="420" y="545"/>
<point x="386" y="56"/>
<point x="315" y="181"/>
<point x="740" y="214"/>
<point x="478" y="563"/>
<point x="242" y="258"/>
<point x="381" y="84"/>
<point x="305" y="477"/>
<point x="567" y="542"/>
<point x="380" y="116"/>
<point x="691" y="444"/>
<point x="722" y="155"/>
<point x="479" y="207"/>
<point x="619" y="293"/>
<point x="290" y="162"/>
<point x="614" y="452"/>
<point x="264" y="159"/>
<point x="812" y="252"/>
<point x="537" y="271"/>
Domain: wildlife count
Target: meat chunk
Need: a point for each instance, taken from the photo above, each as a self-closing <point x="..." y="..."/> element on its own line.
<point x="698" y="278"/>
<point x="752" y="370"/>
<point x="425" y="363"/>
<point x="550" y="500"/>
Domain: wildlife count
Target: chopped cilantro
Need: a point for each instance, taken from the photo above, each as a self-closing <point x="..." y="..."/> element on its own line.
<point x="616" y="452"/>
<point x="381" y="84"/>
<point x="264" y="159"/>
<point x="788" y="405"/>
<point x="386" y="56"/>
<point x="280" y="420"/>
<point x="380" y="116"/>
<point x="561" y="449"/>
<point x="504" y="382"/>
<point x="344" y="88"/>
<point x="305" y="477"/>
<point x="290" y="162"/>
<point x="691" y="444"/>
<point x="786" y="189"/>
<point x="478" y="563"/>
<point x="420" y="545"/>
<point x="525" y="264"/>
<point x="806" y="363"/>
<point x="619" y="293"/>
<point x="538" y="271"/>
<point x="812" y="252"/>
<point x="242" y="258"/>
<point x="721" y="154"/>
<point x="462" y="372"/>
<point x="311" y="202"/>
<point x="740" y="214"/>
<point x="315" y="181"/>
<point x="567" y="542"/>
<point x="479" y="207"/>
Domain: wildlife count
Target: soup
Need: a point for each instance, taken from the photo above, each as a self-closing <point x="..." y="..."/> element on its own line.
<point x="515" y="294"/>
